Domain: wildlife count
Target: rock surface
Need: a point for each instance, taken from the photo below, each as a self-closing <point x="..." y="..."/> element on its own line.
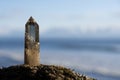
<point x="41" y="72"/>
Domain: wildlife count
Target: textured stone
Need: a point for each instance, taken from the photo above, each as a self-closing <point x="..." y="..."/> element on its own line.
<point x="43" y="72"/>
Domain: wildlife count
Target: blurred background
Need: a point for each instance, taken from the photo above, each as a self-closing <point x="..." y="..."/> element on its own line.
<point x="83" y="35"/>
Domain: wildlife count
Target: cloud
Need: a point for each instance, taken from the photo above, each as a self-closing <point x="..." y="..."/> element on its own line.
<point x="82" y="32"/>
<point x="4" y="32"/>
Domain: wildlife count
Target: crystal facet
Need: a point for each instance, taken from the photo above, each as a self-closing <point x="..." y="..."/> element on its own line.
<point x="31" y="43"/>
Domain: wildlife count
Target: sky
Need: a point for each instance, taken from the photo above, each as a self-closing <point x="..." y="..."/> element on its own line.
<point x="62" y="18"/>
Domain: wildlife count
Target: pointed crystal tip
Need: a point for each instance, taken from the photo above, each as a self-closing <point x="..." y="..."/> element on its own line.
<point x="31" y="19"/>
